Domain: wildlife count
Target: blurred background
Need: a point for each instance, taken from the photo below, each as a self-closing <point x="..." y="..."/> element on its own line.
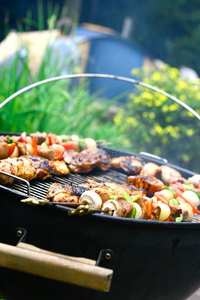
<point x="143" y="40"/>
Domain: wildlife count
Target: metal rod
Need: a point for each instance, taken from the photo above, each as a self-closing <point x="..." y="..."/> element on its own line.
<point x="35" y="201"/>
<point x="20" y="179"/>
<point x="152" y="156"/>
<point x="89" y="75"/>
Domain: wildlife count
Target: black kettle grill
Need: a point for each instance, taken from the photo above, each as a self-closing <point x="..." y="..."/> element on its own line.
<point x="47" y="254"/>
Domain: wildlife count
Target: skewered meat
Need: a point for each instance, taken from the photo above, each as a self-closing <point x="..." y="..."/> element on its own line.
<point x="86" y="160"/>
<point x="4" y="138"/>
<point x="195" y="181"/>
<point x="130" y="164"/>
<point x="150" y="183"/>
<point x="151" y="169"/>
<point x="186" y="211"/>
<point x="59" y="192"/>
<point x="119" y="207"/>
<point x="169" y="175"/>
<point x="142" y="203"/>
<point x="176" y="211"/>
<point x="40" y="137"/>
<point x="107" y="189"/>
<point x="45" y="152"/>
<point x="30" y="167"/>
<point x="4" y="150"/>
<point x="54" y="145"/>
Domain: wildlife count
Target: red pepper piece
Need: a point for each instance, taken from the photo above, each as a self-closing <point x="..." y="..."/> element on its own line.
<point x="34" y="145"/>
<point x="51" y="140"/>
<point x="162" y="199"/>
<point x="149" y="208"/>
<point x="11" y="148"/>
<point x="67" y="145"/>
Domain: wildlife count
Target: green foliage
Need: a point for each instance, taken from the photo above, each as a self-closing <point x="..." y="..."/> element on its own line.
<point x="61" y="107"/>
<point x="155" y="124"/>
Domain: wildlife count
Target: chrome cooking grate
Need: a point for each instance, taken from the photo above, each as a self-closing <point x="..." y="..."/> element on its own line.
<point x="39" y="189"/>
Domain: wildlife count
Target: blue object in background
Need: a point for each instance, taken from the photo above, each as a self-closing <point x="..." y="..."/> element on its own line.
<point x="111" y="54"/>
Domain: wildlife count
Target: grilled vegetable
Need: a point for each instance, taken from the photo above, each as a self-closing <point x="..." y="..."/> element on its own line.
<point x="191" y="197"/>
<point x="187" y="212"/>
<point x="164" y="211"/>
<point x="92" y="199"/>
<point x="167" y="194"/>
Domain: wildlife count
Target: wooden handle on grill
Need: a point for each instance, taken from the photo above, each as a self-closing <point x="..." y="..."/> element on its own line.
<point x="73" y="270"/>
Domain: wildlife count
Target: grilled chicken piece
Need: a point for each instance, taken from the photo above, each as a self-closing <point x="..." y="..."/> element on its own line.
<point x="86" y="160"/>
<point x="61" y="192"/>
<point x="130" y="164"/>
<point x="151" y="184"/>
<point x="21" y="167"/>
<point x="30" y="167"/>
<point x="170" y="175"/>
<point x="46" y="168"/>
<point x="4" y="150"/>
<point x="151" y="169"/>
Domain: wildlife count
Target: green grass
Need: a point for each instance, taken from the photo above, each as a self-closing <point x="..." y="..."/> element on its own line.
<point x="53" y="107"/>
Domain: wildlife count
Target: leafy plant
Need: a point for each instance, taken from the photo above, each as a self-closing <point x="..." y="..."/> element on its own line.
<point x="155" y="124"/>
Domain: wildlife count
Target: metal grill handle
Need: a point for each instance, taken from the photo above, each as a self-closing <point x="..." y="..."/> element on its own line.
<point x="89" y="75"/>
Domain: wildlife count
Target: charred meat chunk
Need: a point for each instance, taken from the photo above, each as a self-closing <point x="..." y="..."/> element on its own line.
<point x="46" y="168"/>
<point x="86" y="160"/>
<point x="129" y="164"/>
<point x="150" y="183"/>
<point x="61" y="192"/>
<point x="104" y="190"/>
<point x="30" y="167"/>
<point x="107" y="189"/>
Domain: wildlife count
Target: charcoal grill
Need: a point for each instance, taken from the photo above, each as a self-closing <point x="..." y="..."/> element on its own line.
<point x="139" y="259"/>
